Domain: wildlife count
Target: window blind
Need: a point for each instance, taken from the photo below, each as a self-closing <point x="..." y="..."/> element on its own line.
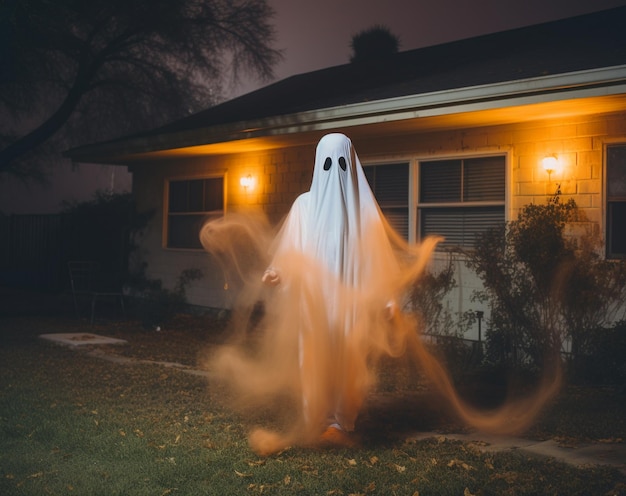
<point x="460" y="226"/>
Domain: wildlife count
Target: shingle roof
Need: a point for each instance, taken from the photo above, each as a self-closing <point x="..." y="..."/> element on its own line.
<point x="578" y="43"/>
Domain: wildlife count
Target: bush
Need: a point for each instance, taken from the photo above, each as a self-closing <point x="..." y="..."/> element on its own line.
<point x="604" y="359"/>
<point x="102" y="230"/>
<point x="426" y="299"/>
<point x="544" y="288"/>
<point x="156" y="306"/>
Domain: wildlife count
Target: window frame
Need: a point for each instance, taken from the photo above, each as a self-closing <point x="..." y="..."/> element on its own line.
<point x="414" y="161"/>
<point x="410" y="192"/>
<point x="420" y="206"/>
<point x="606" y="200"/>
<point x="204" y="213"/>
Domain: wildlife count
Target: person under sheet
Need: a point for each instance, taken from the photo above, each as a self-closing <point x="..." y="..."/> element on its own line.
<point x="333" y="254"/>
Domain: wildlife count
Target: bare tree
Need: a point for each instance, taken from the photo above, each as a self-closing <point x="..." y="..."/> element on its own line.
<point x="73" y="70"/>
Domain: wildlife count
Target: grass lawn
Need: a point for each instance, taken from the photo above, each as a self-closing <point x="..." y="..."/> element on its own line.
<point x="75" y="424"/>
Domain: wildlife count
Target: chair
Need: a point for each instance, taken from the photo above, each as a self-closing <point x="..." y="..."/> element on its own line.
<point x="87" y="280"/>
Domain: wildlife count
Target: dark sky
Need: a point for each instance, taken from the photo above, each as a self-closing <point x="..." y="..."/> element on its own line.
<point x="314" y="34"/>
<point x="317" y="33"/>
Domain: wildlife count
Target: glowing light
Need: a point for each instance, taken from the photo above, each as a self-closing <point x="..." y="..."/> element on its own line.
<point x="247" y="182"/>
<point x="550" y="164"/>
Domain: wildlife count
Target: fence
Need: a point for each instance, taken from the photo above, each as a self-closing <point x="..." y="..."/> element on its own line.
<point x="35" y="249"/>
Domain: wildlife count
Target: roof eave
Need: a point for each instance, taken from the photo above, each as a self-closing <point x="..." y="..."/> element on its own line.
<point x="580" y="84"/>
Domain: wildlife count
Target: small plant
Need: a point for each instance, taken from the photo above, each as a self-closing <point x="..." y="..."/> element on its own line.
<point x="427" y="300"/>
<point x="158" y="305"/>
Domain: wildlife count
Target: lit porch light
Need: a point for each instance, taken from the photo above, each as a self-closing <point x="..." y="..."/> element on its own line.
<point x="247" y="182"/>
<point x="550" y="164"/>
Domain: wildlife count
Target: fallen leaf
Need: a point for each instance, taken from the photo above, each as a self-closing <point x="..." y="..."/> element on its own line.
<point x="352" y="462"/>
<point x="242" y="474"/>
<point x="370" y="487"/>
<point x="467" y="492"/>
<point x="287" y="480"/>
<point x="611" y="440"/>
<point x="399" y="468"/>
<point x="460" y="463"/>
<point x="508" y="477"/>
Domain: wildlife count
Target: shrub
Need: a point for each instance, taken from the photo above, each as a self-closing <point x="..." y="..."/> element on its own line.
<point x="542" y="287"/>
<point x="156" y="306"/>
<point x="427" y="300"/>
<point x="603" y="361"/>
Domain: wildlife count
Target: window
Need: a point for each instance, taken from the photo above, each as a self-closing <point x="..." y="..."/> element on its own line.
<point x="390" y="185"/>
<point x="191" y="202"/>
<point x="616" y="201"/>
<point x="460" y="198"/>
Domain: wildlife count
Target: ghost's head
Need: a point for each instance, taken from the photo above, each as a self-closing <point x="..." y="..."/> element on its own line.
<point x="334" y="153"/>
<point x="335" y="171"/>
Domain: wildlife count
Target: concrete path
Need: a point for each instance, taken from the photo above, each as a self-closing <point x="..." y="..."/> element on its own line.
<point x="584" y="455"/>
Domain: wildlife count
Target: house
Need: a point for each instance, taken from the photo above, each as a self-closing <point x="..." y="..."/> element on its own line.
<point x="453" y="138"/>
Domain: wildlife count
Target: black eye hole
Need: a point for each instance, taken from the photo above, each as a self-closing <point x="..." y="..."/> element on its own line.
<point x="342" y="163"/>
<point x="327" y="163"/>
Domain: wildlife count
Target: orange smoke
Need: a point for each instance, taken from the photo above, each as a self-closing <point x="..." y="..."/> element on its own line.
<point x="308" y="356"/>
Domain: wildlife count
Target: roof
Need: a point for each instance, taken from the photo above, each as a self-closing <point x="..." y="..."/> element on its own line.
<point x="578" y="45"/>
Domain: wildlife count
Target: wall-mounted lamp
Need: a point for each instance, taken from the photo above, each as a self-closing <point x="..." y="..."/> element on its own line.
<point x="550" y="164"/>
<point x="247" y="182"/>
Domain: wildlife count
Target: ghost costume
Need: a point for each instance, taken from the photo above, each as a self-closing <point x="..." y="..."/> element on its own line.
<point x="333" y="255"/>
<point x="335" y="267"/>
